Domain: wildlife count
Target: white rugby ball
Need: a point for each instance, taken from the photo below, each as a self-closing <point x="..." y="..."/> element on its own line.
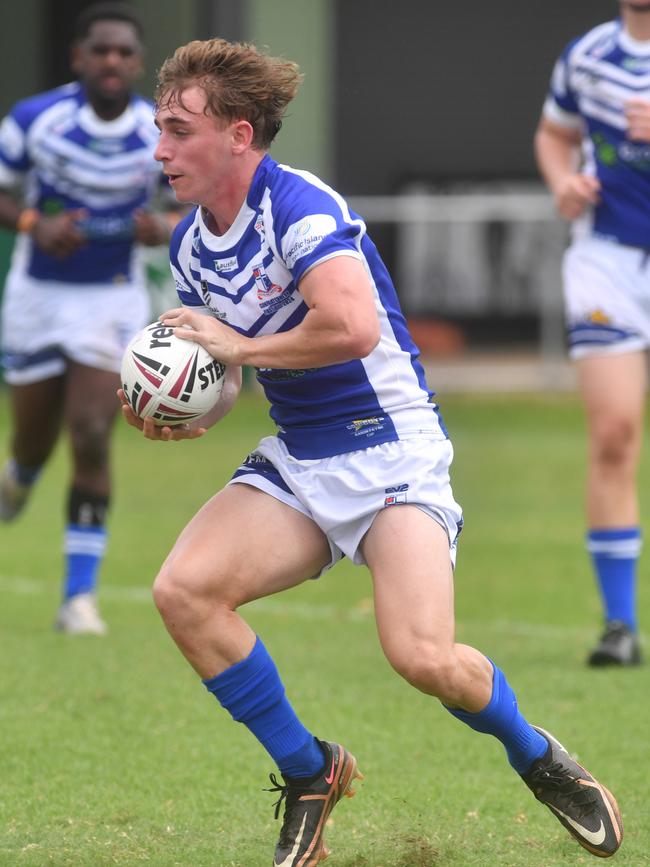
<point x="170" y="379"/>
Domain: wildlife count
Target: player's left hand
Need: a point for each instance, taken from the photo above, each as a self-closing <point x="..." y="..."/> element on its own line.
<point x="637" y="112"/>
<point x="153" y="431"/>
<point x="152" y="229"/>
<point x="222" y="342"/>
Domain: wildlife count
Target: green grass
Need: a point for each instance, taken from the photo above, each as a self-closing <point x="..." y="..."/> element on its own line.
<point x="111" y="752"/>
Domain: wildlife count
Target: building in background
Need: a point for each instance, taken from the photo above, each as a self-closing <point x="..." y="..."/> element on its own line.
<point x="407" y="99"/>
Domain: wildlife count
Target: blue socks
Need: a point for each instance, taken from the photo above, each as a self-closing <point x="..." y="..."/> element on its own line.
<point x="252" y="692"/>
<point x="502" y="719"/>
<point x="84" y="542"/>
<point x="84" y="551"/>
<point x="614" y="555"/>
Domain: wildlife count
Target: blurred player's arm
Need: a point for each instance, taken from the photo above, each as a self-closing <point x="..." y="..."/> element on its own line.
<point x="155" y="224"/>
<point x="340" y="325"/>
<point x="58" y="235"/>
<point x="557" y="151"/>
<point x="155" y="228"/>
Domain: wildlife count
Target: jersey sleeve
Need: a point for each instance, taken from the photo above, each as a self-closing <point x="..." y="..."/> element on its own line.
<point x="561" y="105"/>
<point x="315" y="224"/>
<point x="14" y="155"/>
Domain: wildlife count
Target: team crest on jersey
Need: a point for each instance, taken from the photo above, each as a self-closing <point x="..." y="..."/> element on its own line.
<point x="271" y="297"/>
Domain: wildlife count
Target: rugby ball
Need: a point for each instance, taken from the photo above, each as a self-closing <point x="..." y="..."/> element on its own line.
<point x="170" y="379"/>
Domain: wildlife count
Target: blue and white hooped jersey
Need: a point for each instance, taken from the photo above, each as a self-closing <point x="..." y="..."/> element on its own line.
<point x="591" y="83"/>
<point x="249" y="278"/>
<point x="67" y="158"/>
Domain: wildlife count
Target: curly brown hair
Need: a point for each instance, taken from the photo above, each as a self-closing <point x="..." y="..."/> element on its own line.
<point x="240" y="83"/>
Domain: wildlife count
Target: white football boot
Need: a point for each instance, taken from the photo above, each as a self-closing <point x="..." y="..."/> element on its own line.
<point x="79" y="616"/>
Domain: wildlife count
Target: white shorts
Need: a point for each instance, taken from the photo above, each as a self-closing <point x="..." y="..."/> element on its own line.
<point x="607" y="297"/>
<point x="45" y="323"/>
<point x="343" y="494"/>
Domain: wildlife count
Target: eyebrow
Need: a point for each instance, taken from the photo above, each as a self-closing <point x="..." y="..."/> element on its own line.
<point x="170" y="121"/>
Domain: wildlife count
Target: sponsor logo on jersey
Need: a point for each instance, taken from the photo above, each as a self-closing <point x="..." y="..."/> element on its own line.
<point x="395" y="499"/>
<point x="112" y="228"/>
<point x="395" y="494"/>
<point x="637" y="64"/>
<point x="304" y="236"/>
<point x="230" y="264"/>
<point x="599" y="317"/>
<point x="636" y="154"/>
<point x="255" y="458"/>
<point x="605" y="150"/>
<point x="363" y="423"/>
<point x="273" y="374"/>
<point x="106" y="146"/>
<point x="366" y="427"/>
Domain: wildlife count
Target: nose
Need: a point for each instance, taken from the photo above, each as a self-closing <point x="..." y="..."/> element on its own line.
<point x="113" y="59"/>
<point x="161" y="152"/>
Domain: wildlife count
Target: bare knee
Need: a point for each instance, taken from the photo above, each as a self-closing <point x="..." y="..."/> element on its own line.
<point x="185" y="602"/>
<point x="614" y="442"/>
<point x="430" y="668"/>
<point x="180" y="603"/>
<point x="90" y="442"/>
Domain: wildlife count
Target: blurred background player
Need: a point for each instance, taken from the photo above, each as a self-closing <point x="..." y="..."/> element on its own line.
<point x="77" y="172"/>
<point x="276" y="272"/>
<point x="593" y="150"/>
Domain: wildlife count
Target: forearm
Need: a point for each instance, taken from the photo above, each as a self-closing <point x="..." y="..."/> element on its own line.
<point x="10" y="211"/>
<point x="315" y="342"/>
<point x="557" y="158"/>
<point x="229" y="393"/>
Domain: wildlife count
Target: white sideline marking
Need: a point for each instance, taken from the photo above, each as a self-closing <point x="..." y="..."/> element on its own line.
<point x="303" y="610"/>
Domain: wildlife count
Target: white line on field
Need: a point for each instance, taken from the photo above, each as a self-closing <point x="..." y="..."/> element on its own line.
<point x="303" y="610"/>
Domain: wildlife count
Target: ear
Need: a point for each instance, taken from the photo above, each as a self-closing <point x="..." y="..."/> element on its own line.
<point x="75" y="58"/>
<point x="242" y="136"/>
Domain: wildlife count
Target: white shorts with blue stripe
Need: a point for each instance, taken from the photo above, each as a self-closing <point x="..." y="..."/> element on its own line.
<point x="47" y="323"/>
<point x="344" y="493"/>
<point x="607" y="297"/>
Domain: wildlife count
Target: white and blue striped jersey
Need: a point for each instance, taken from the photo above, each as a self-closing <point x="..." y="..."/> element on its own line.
<point x="591" y="83"/>
<point x="66" y="157"/>
<point x="249" y="278"/>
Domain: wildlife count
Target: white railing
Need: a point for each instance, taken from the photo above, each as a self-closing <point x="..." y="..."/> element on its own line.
<point x="492" y="249"/>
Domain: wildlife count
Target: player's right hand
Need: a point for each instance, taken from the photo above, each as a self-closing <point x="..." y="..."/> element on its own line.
<point x="59" y="235"/>
<point x="576" y="193"/>
<point x="153" y="431"/>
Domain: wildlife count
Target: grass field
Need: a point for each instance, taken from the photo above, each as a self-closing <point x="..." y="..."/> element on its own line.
<point x="111" y="751"/>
